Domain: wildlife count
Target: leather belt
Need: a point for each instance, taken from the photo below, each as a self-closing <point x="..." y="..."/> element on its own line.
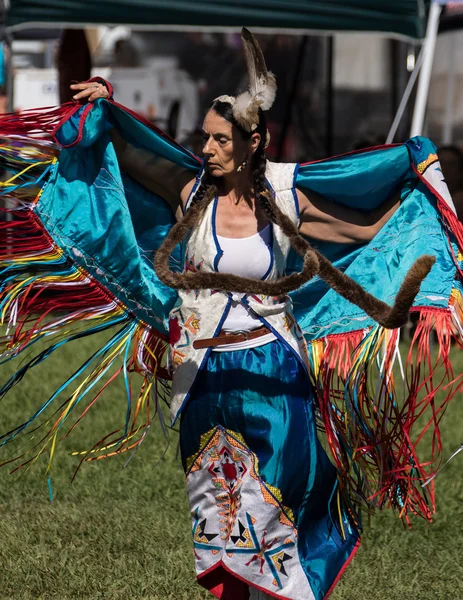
<point x="234" y="337"/>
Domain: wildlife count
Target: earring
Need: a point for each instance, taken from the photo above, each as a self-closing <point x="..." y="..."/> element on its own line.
<point x="242" y="165"/>
<point x="267" y="140"/>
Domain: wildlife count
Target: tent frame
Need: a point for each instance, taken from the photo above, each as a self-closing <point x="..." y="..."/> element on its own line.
<point x="214" y="29"/>
<point x="424" y="62"/>
<point x="429" y="50"/>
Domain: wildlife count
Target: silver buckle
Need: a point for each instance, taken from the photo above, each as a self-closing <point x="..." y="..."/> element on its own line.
<point x="241" y="331"/>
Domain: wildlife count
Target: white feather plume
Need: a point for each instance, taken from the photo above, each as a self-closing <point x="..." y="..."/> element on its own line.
<point x="265" y="90"/>
<point x="226" y="98"/>
<point x="246" y="111"/>
<point x="246" y="106"/>
<point x="262" y="85"/>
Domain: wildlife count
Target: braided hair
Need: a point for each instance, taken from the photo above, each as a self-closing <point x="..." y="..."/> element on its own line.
<point x="313" y="262"/>
<point x="262" y="191"/>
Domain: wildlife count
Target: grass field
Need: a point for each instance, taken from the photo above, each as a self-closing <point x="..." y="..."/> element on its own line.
<point x="125" y="533"/>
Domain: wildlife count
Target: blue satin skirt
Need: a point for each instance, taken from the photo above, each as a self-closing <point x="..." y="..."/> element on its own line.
<point x="262" y="490"/>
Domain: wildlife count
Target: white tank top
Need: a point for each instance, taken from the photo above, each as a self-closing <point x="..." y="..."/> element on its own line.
<point x="247" y="257"/>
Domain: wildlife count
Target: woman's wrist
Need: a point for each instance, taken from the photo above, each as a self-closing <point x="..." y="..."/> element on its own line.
<point x="91" y="90"/>
<point x="106" y="84"/>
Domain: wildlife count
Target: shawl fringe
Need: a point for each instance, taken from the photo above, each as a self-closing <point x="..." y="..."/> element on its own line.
<point x="45" y="296"/>
<point x="377" y="412"/>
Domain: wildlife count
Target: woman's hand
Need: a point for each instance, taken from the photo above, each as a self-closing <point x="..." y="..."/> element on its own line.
<point x="89" y="91"/>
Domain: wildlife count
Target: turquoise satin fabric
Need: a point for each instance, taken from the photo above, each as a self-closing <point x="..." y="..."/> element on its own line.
<point x="364" y="181"/>
<point x="110" y="224"/>
<point x="265" y="395"/>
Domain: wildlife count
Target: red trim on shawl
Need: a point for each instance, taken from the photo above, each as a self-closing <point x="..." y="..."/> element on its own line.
<point x="237" y="591"/>
<point x="448" y="216"/>
<point x="73" y="108"/>
<point x="76" y="105"/>
<point x="351" y="152"/>
<point x="153" y="127"/>
<point x="344" y="567"/>
<point x="133" y="114"/>
<point x="454" y="223"/>
<point x="436" y="309"/>
<point x="83" y="117"/>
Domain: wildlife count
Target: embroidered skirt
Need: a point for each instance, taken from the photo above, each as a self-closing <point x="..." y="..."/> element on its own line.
<point x="260" y="486"/>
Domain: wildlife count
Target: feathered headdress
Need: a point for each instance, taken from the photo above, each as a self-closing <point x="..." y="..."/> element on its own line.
<point x="262" y="86"/>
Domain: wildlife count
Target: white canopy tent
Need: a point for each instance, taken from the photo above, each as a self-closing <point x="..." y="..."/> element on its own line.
<point x="423" y="68"/>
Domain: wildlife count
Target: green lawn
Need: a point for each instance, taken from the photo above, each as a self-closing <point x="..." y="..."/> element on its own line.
<point x="125" y="533"/>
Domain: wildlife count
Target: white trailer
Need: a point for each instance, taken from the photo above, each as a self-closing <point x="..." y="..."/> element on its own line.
<point x="161" y="92"/>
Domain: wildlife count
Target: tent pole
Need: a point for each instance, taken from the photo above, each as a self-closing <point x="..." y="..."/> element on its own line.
<point x="9" y="79"/>
<point x="329" y="131"/>
<point x="8" y="56"/>
<point x="405" y="98"/>
<point x="429" y="47"/>
<point x="394" y="74"/>
<point x="447" y="132"/>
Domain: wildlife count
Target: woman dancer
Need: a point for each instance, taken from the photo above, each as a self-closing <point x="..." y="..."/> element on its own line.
<point x="272" y="516"/>
<point x="261" y="488"/>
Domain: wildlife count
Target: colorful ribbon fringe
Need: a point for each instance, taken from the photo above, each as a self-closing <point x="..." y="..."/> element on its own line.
<point x="370" y="404"/>
<point x="45" y="296"/>
<point x="374" y="411"/>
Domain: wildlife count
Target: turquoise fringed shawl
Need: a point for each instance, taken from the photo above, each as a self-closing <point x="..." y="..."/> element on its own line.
<point x="364" y="180"/>
<point x="110" y="223"/>
<point x="114" y="225"/>
<point x="79" y="250"/>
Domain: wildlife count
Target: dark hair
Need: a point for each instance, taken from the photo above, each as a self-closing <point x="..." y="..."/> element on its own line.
<point x="258" y="161"/>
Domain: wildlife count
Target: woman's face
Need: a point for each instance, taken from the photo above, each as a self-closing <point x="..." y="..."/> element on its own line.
<point x="224" y="148"/>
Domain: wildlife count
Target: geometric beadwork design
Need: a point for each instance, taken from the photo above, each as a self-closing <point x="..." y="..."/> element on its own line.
<point x="239" y="521"/>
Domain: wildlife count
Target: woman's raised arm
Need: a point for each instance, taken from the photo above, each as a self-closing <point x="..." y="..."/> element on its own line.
<point x="161" y="176"/>
<point x="324" y="220"/>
